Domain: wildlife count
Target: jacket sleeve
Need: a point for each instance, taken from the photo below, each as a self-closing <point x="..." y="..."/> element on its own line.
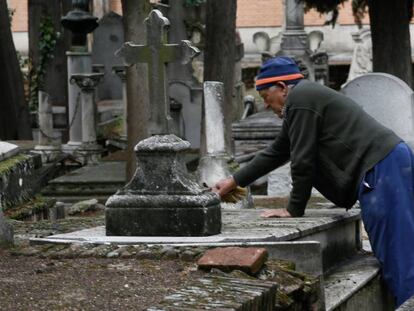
<point x="272" y="157"/>
<point x="303" y="134"/>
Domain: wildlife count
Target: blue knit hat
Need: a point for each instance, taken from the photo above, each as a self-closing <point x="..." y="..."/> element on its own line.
<point x="276" y="69"/>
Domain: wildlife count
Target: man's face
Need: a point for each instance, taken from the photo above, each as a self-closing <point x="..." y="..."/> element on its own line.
<point x="275" y="97"/>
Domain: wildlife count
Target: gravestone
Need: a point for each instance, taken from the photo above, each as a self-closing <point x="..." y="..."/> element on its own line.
<point x="162" y="199"/>
<point x="107" y="39"/>
<point x="214" y="166"/>
<point x="386" y="98"/>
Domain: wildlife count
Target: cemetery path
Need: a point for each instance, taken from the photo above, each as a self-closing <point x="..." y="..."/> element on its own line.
<point x="34" y="283"/>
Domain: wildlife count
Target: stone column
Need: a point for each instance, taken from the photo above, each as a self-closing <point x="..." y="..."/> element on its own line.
<point x="89" y="150"/>
<point x="47" y="145"/>
<point x="78" y="63"/>
<point x="294" y="38"/>
<point x="120" y="71"/>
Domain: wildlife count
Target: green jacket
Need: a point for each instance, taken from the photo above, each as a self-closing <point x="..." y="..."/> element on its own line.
<point x="330" y="141"/>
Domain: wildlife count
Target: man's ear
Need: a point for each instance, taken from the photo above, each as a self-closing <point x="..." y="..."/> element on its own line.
<point x="283" y="86"/>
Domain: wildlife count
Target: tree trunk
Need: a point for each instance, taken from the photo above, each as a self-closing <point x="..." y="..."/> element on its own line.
<point x="14" y="116"/>
<point x="220" y="56"/>
<point x="55" y="82"/>
<point x="391" y="47"/>
<point x="134" y="12"/>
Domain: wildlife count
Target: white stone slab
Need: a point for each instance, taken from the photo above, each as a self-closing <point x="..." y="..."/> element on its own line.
<point x="7" y="150"/>
<point x="387" y="99"/>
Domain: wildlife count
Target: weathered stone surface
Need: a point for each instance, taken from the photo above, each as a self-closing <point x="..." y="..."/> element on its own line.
<point x="108" y="38"/>
<point x="408" y="305"/>
<point x="248" y="259"/>
<point x="222" y="293"/>
<point x="216" y="164"/>
<point x="6" y="231"/>
<point x="18" y="180"/>
<point x="157" y="53"/>
<point x="165" y="201"/>
<point x="387" y="99"/>
<point x="7" y="150"/>
<point x="84" y="206"/>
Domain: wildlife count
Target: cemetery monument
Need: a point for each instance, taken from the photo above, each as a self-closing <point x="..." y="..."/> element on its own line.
<point x="162" y="199"/>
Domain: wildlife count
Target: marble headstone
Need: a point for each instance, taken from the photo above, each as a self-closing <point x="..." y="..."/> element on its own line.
<point x="214" y="166"/>
<point x="386" y="98"/>
<point x="107" y="39"/>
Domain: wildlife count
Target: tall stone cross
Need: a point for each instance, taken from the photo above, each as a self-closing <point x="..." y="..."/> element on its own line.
<point x="157" y="53"/>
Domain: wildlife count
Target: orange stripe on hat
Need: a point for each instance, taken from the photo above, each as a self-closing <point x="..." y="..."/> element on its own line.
<point x="280" y="78"/>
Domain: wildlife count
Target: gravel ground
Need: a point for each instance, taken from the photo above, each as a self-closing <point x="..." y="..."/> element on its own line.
<point x="44" y="281"/>
<point x="34" y="283"/>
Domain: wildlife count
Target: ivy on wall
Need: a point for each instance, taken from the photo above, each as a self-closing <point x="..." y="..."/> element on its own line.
<point x="47" y="42"/>
<point x="193" y="2"/>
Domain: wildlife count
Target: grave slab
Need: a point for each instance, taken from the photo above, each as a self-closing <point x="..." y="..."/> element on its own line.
<point x="92" y="181"/>
<point x="335" y="230"/>
<point x="7" y="150"/>
<point x="222" y="293"/>
<point x="356" y="284"/>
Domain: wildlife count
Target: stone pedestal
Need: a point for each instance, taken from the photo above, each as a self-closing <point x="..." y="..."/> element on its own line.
<point x="162" y="199"/>
<point x="47" y="148"/>
<point x="78" y="63"/>
<point x="89" y="151"/>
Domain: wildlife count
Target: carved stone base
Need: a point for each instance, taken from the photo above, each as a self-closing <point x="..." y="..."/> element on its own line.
<point x="163" y="221"/>
<point x="48" y="153"/>
<point x="162" y="199"/>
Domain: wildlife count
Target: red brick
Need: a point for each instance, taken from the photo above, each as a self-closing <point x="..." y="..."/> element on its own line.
<point x="247" y="259"/>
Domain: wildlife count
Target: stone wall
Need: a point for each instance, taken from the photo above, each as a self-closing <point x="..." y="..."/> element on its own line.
<point x="17" y="179"/>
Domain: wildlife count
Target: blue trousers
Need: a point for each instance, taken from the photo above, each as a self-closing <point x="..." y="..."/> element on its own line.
<point x="386" y="196"/>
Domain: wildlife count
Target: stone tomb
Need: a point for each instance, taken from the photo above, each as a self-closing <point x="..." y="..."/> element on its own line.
<point x="386" y="98"/>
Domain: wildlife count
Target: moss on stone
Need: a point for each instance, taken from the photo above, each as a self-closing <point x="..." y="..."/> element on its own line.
<point x="7" y="166"/>
<point x="34" y="206"/>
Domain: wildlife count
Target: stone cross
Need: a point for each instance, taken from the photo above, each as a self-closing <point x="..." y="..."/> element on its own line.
<point x="156" y="54"/>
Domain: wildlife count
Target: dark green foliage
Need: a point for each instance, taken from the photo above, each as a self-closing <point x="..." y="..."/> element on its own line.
<point x="359" y="8"/>
<point x="193" y="2"/>
<point x="47" y="43"/>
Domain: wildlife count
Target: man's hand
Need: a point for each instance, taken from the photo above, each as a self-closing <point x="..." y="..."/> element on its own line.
<point x="224" y="186"/>
<point x="277" y="212"/>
